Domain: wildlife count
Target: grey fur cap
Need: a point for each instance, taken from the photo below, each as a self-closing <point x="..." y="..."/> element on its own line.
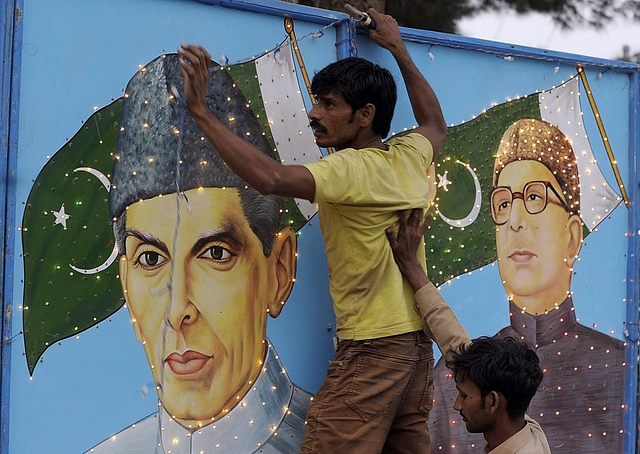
<point x="147" y="146"/>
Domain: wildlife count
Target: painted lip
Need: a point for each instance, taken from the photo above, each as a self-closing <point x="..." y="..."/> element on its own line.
<point x="521" y="256"/>
<point x="190" y="362"/>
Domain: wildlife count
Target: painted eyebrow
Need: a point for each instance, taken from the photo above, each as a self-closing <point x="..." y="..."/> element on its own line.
<point x="228" y="234"/>
<point x="147" y="238"/>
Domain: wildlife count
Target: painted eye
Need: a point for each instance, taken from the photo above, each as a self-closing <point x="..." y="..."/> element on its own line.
<point x="151" y="259"/>
<point x="217" y="253"/>
<point x="503" y="206"/>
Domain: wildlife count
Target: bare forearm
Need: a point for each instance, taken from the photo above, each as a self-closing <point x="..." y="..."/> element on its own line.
<point x="415" y="275"/>
<point x="256" y="168"/>
<point x="424" y="102"/>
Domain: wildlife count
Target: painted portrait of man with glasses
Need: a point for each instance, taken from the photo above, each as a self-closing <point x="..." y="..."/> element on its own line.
<point x="535" y="207"/>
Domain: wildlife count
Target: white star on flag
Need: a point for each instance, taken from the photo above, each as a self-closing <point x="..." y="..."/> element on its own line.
<point x="443" y="181"/>
<point x="61" y="217"/>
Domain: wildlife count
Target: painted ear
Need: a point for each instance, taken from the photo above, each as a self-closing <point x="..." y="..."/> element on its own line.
<point x="123" y="266"/>
<point x="574" y="227"/>
<point x="284" y="252"/>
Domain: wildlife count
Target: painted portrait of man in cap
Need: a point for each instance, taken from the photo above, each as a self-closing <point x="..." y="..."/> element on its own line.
<point x="204" y="262"/>
<point x="535" y="208"/>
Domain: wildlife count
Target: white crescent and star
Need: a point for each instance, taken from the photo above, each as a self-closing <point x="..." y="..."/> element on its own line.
<point x="62" y="217"/>
<point x="475" y="211"/>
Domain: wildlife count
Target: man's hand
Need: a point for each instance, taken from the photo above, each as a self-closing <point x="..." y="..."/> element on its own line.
<point x="194" y="65"/>
<point x="387" y="32"/>
<point x="405" y="245"/>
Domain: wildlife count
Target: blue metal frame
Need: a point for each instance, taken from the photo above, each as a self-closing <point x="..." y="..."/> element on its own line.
<point x="344" y="35"/>
<point x="633" y="268"/>
<point x="511" y="50"/>
<point x="11" y="44"/>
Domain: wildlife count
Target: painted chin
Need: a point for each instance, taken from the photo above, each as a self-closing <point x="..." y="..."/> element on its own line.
<point x="188" y="363"/>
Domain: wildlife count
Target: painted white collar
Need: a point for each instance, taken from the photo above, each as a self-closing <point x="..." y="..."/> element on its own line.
<point x="246" y="427"/>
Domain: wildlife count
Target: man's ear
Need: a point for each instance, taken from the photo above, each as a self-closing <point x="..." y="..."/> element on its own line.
<point x="122" y="265"/>
<point x="493" y="401"/>
<point x="367" y="114"/>
<point x="575" y="234"/>
<point x="284" y="253"/>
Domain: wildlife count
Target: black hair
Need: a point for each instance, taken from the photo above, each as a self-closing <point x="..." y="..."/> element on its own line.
<point x="504" y="365"/>
<point x="360" y="82"/>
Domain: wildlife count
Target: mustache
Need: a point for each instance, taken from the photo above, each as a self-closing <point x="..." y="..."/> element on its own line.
<point x="317" y="126"/>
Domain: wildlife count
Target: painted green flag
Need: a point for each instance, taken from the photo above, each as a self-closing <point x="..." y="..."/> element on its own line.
<point x="462" y="237"/>
<point x="70" y="280"/>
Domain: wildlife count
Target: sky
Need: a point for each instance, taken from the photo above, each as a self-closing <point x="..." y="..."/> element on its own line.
<point x="537" y="30"/>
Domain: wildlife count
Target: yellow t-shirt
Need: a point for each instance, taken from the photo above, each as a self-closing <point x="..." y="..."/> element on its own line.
<point x="359" y="193"/>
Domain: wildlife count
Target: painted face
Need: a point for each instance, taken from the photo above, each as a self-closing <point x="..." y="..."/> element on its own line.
<point x="474" y="411"/>
<point x="332" y="122"/>
<point x="536" y="251"/>
<point x="198" y="292"/>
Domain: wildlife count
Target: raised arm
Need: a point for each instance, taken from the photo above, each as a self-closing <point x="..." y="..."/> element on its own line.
<point x="425" y="104"/>
<point x="264" y="174"/>
<point x="438" y="319"/>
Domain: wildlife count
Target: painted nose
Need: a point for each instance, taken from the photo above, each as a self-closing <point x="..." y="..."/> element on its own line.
<point x="518" y="215"/>
<point x="181" y="310"/>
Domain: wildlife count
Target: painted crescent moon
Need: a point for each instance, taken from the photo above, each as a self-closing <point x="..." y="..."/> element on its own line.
<point x="114" y="253"/>
<point x="475" y="211"/>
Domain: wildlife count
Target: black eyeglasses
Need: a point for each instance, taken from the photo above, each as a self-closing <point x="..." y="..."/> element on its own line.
<point x="534" y="196"/>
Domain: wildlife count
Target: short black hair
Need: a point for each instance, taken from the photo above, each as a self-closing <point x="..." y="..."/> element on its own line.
<point x="360" y="82"/>
<point x="505" y="365"/>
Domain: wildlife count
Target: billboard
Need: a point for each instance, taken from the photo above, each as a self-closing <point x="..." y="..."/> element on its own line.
<point x="85" y="326"/>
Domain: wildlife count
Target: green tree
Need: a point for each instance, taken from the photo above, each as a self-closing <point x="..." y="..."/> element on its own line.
<point x="443" y="15"/>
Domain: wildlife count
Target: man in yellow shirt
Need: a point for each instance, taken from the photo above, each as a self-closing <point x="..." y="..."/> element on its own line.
<point x="377" y="394"/>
